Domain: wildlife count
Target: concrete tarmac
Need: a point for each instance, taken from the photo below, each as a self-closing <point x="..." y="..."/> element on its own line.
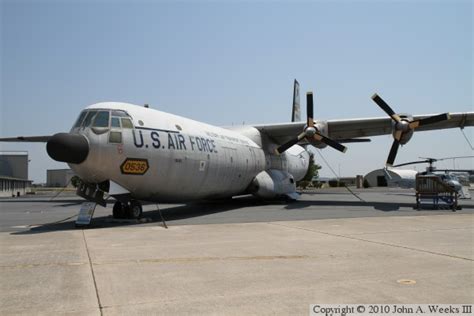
<point x="272" y="259"/>
<point x="39" y="212"/>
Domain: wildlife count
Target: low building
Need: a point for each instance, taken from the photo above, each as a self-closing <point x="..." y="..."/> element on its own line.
<point x="348" y="181"/>
<point x="59" y="177"/>
<point x="13" y="186"/>
<point x="14" y="164"/>
<point x="14" y="173"/>
<point x="393" y="177"/>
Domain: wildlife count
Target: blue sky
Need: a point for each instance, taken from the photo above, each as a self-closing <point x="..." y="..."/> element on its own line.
<point x="232" y="62"/>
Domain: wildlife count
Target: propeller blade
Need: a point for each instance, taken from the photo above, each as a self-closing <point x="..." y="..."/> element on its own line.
<point x="398" y="135"/>
<point x="430" y="120"/>
<point x="384" y="106"/>
<point x="330" y="142"/>
<point x="393" y="153"/>
<point x="309" y="109"/>
<point x="281" y="149"/>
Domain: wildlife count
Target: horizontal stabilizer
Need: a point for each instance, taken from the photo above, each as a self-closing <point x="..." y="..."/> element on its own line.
<point x="27" y="139"/>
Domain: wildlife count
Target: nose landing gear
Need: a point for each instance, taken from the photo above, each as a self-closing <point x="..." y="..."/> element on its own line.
<point x="131" y="210"/>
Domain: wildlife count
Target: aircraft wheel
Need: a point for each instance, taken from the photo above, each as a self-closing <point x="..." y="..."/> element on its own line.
<point x="135" y="210"/>
<point x="118" y="210"/>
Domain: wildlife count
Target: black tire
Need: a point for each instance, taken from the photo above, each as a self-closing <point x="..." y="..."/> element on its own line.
<point x="118" y="210"/>
<point x="135" y="210"/>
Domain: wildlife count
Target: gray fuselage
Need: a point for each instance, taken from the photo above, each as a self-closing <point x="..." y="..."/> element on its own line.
<point x="163" y="157"/>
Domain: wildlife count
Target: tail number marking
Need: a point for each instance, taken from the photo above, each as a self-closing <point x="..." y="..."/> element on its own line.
<point x="134" y="166"/>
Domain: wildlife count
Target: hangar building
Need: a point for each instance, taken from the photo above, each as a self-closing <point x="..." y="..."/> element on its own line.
<point x="59" y="177"/>
<point x="14" y="173"/>
<point x="404" y="178"/>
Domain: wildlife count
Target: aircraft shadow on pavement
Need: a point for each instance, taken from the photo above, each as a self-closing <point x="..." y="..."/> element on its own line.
<point x="173" y="213"/>
<point x="381" y="206"/>
<point x="198" y="209"/>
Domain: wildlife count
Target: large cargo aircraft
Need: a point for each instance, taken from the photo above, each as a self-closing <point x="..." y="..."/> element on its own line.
<point x="134" y="153"/>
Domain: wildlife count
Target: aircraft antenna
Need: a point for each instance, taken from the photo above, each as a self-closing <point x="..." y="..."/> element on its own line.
<point x="161" y="215"/>
<point x="467" y="139"/>
<point x="61" y="191"/>
<point x="337" y="177"/>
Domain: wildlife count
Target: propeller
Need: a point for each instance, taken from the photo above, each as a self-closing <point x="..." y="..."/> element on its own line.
<point x="404" y="126"/>
<point x="310" y="132"/>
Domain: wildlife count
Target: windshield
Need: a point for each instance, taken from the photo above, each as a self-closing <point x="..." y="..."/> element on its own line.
<point x="448" y="177"/>
<point x="115" y="119"/>
<point x="87" y="121"/>
<point x="80" y="118"/>
<point x="101" y="119"/>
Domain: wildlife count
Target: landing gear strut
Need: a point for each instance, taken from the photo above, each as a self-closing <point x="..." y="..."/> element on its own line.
<point x="130" y="210"/>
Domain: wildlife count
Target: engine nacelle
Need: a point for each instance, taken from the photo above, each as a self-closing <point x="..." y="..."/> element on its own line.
<point x="273" y="183"/>
<point x="297" y="162"/>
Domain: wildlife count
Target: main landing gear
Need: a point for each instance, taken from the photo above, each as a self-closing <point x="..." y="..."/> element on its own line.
<point x="131" y="210"/>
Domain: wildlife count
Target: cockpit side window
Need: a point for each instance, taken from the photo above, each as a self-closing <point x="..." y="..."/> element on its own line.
<point x="126" y="122"/>
<point x="101" y="119"/>
<point x="87" y="121"/>
<point x="80" y="118"/>
<point x="119" y="119"/>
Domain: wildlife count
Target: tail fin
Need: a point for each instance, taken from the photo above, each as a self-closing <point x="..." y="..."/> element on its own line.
<point x="296" y="112"/>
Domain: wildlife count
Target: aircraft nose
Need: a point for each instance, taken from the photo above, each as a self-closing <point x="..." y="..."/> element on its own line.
<point x="65" y="147"/>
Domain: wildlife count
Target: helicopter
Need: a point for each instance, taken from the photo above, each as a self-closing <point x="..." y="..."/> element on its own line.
<point x="448" y="177"/>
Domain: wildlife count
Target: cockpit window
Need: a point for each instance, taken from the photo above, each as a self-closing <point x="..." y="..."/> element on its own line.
<point x="101" y="119"/>
<point x="126" y="123"/>
<point x="87" y="121"/>
<point x="80" y="118"/>
<point x="104" y="118"/>
<point x="115" y="122"/>
<point x="119" y="113"/>
<point x="448" y="177"/>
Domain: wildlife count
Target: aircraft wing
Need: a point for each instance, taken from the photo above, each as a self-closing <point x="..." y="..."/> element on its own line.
<point x="27" y="139"/>
<point x="352" y="129"/>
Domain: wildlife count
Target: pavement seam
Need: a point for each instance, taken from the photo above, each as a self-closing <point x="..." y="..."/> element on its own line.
<point x="409" y="231"/>
<point x="187" y="260"/>
<point x="34" y="265"/>
<point x="93" y="274"/>
<point x="373" y="242"/>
